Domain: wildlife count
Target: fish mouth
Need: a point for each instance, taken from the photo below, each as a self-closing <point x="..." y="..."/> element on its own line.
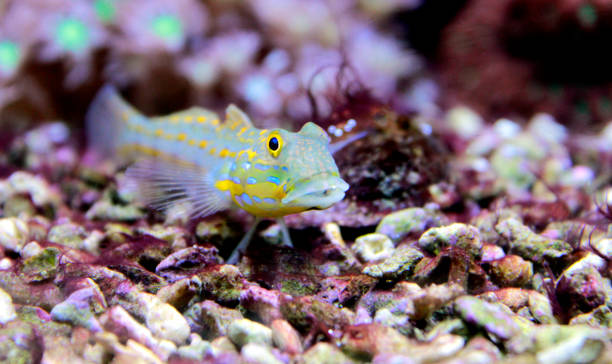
<point x="316" y="192"/>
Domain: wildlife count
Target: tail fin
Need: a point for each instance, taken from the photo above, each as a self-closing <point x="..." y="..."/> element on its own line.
<point x="105" y="122"/>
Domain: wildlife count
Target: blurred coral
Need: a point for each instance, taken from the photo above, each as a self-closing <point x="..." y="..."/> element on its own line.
<point x="169" y="55"/>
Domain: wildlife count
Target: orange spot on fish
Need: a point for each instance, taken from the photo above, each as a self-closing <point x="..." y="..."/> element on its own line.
<point x="159" y="132"/>
<point x="181" y="137"/>
<point x="212" y="151"/>
<point x="201" y="119"/>
<point x="188" y="119"/>
<point x="203" y="144"/>
<point x="245" y="128"/>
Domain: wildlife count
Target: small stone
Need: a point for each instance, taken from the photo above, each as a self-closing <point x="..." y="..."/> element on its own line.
<point x="510" y="161"/>
<point x="333" y="234"/>
<point x="170" y="234"/>
<point x="506" y="128"/>
<point x="561" y="343"/>
<point x="373" y="247"/>
<point x="106" y="210"/>
<point x="411" y="221"/>
<point x="131" y="352"/>
<point x="546" y="127"/>
<point x="197" y="349"/>
<point x="223" y="344"/>
<point x="599" y="317"/>
<point x="285" y="337"/>
<point x="43" y="294"/>
<point x="92" y="242"/>
<point x="588" y="260"/>
<point x="42" y="266"/>
<point x="36" y="187"/>
<point x="223" y="283"/>
<point x="14" y="233"/>
<point x="393" y="358"/>
<point x="210" y="319"/>
<point x="179" y="293"/>
<point x="489" y="316"/>
<point x="511" y="270"/>
<point x="59" y="349"/>
<point x="530" y="245"/>
<point x="7" y="310"/>
<point x="119" y="321"/>
<point x="18" y="206"/>
<point x="583" y="287"/>
<point x="68" y="234"/>
<point x="514" y="298"/>
<point x="460" y="235"/>
<point x="80" y="308"/>
<point x="448" y="326"/>
<point x="178" y="214"/>
<point x="162" y="319"/>
<point x="19" y="343"/>
<point x="399" y="265"/>
<point x="429" y="299"/>
<point x="443" y="194"/>
<point x="385" y="317"/>
<point x="172" y="267"/>
<point x="258" y="354"/>
<point x="263" y="302"/>
<point x="6" y="263"/>
<point x="325" y="353"/>
<point x="464" y="121"/>
<point x="245" y="331"/>
<point x="273" y="234"/>
<point x="491" y="252"/>
<point x="442" y="347"/>
<point x="540" y="308"/>
<point x="477" y="351"/>
<point x="603" y="247"/>
<point x="366" y="341"/>
<point x="30" y="249"/>
<point x="116" y="232"/>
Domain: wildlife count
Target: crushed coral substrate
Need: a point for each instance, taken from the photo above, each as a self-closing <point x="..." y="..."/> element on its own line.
<point x="472" y="244"/>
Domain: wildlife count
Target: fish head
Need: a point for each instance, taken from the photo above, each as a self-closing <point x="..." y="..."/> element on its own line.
<point x="302" y="168"/>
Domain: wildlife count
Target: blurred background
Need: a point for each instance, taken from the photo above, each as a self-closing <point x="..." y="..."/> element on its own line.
<point x="289" y="61"/>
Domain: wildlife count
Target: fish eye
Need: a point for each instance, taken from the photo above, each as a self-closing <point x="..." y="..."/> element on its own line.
<point x="274" y="144"/>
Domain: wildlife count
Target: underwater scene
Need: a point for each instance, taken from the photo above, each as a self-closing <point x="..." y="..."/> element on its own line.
<point x="305" y="181"/>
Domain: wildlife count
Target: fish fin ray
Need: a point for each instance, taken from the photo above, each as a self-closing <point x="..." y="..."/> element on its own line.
<point x="193" y="112"/>
<point x="335" y="147"/>
<point x="233" y="113"/>
<point x="163" y="183"/>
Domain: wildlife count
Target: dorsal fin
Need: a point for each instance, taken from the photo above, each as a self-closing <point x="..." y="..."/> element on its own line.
<point x="313" y="130"/>
<point x="233" y="114"/>
<point x="192" y="112"/>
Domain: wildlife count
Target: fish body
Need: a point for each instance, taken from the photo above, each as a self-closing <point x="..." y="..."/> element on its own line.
<point x="214" y="164"/>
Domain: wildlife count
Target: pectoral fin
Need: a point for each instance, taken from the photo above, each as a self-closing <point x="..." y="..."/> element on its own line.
<point x="164" y="183"/>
